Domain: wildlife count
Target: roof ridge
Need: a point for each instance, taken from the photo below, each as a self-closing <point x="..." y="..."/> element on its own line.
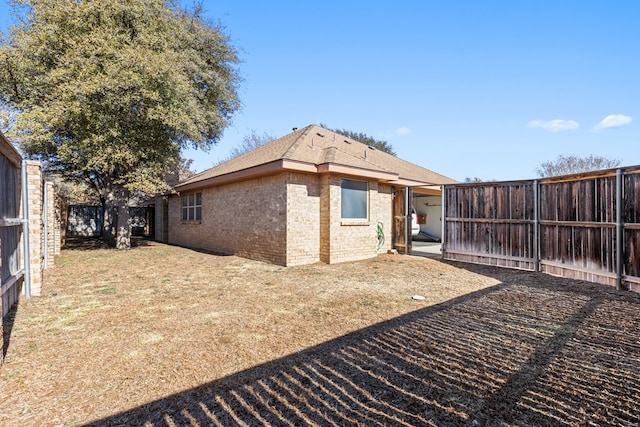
<point x="372" y="160"/>
<point x="296" y="142"/>
<point x="328" y="147"/>
<point x="364" y="158"/>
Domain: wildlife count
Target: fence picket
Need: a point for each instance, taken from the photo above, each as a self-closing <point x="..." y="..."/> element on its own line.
<point x="564" y="226"/>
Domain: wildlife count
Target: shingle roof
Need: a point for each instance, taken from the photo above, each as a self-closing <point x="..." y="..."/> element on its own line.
<point x="322" y="149"/>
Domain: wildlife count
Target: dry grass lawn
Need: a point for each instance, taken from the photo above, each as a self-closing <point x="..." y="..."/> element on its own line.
<point x="161" y="335"/>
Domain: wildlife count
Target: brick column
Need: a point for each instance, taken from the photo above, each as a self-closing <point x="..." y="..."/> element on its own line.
<point x="53" y="224"/>
<point x="57" y="222"/>
<point x="325" y="218"/>
<point x="36" y="225"/>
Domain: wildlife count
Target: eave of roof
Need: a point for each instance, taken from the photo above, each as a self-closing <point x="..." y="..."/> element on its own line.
<point x="292" y="165"/>
<point x="317" y="150"/>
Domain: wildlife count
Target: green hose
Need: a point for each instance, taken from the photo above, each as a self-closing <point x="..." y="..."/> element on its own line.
<point x="380" y="230"/>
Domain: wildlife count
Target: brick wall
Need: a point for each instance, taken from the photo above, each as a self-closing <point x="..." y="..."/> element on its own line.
<point x="287" y="219"/>
<point x="325" y="218"/>
<point x="38" y="242"/>
<point x="245" y="218"/>
<point x="382" y="203"/>
<point x="54" y="224"/>
<point x="303" y="219"/>
<point x="353" y="240"/>
<point x="36" y="225"/>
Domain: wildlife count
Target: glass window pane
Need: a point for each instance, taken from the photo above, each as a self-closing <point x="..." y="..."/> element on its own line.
<point x="192" y="207"/>
<point x="354" y="197"/>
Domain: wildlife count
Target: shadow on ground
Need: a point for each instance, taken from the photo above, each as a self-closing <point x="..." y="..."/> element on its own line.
<point x="7" y="328"/>
<point x="519" y="353"/>
<point x="94" y="243"/>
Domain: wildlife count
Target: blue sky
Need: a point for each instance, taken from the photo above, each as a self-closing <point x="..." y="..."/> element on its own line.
<point x="486" y="89"/>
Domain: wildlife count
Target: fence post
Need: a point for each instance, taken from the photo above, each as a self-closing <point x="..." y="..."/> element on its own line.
<point x="443" y="242"/>
<point x="25" y="230"/>
<point x="619" y="229"/>
<point x="408" y="232"/>
<point x="536" y="225"/>
<point x="45" y="216"/>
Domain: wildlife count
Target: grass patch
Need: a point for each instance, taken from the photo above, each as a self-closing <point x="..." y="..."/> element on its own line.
<point x="232" y="331"/>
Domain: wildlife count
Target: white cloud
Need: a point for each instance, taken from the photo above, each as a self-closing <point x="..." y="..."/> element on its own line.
<point x="556" y="125"/>
<point x="612" y="121"/>
<point x="403" y="131"/>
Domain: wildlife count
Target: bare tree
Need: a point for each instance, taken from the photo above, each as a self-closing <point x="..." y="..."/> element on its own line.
<point x="250" y="142"/>
<point x="566" y="165"/>
<point x="474" y="179"/>
<point x="365" y="139"/>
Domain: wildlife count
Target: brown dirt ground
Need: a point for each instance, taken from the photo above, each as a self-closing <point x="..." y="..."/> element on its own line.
<point x="163" y="336"/>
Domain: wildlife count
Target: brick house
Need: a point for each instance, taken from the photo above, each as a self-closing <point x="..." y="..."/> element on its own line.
<point x="313" y="195"/>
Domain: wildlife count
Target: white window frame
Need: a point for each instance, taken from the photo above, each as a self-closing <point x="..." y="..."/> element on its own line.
<point x="345" y="194"/>
<point x="192" y="207"/>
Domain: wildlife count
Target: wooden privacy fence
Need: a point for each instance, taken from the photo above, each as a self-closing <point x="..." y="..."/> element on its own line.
<point x="11" y="270"/>
<point x="584" y="227"/>
<point x="30" y="233"/>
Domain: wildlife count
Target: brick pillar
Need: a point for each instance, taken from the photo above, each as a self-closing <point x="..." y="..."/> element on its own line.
<point x="62" y="210"/>
<point x="36" y="225"/>
<point x="57" y="222"/>
<point x="325" y="218"/>
<point x="53" y="225"/>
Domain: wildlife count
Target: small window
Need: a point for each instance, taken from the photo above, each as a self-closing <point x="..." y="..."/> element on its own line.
<point x="192" y="207"/>
<point x="354" y="199"/>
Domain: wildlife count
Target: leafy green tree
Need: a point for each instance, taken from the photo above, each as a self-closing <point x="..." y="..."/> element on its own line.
<point x="365" y="139"/>
<point x="109" y="91"/>
<point x="179" y="171"/>
<point x="566" y="165"/>
<point x="7" y="118"/>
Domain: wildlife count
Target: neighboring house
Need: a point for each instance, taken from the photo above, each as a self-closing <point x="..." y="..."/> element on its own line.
<point x="313" y="195"/>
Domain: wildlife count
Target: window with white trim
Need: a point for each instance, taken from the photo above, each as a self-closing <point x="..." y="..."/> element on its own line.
<point x="192" y="207"/>
<point x="354" y="199"/>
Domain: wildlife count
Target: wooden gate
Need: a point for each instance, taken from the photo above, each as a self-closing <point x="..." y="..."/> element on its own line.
<point x="402" y="219"/>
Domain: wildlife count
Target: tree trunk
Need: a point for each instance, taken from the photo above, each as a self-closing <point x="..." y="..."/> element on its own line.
<point x="109" y="219"/>
<point x="123" y="221"/>
<point x="116" y="231"/>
